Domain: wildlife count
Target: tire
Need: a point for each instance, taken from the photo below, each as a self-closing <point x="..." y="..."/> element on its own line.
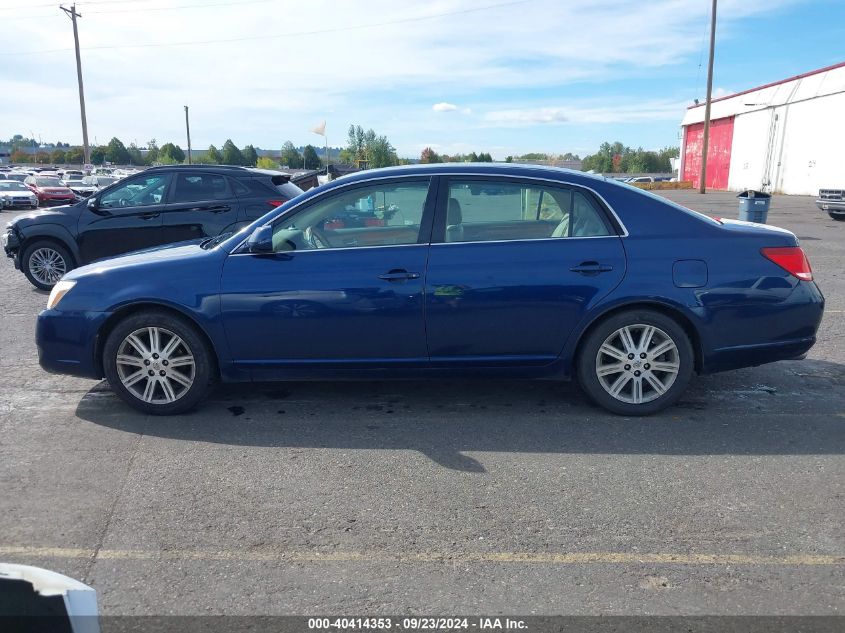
<point x="642" y="389"/>
<point x="44" y="262"/>
<point x="140" y="362"/>
<point x="839" y="217"/>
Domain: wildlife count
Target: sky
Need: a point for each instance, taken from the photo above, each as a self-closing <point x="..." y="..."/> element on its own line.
<point x="501" y="76"/>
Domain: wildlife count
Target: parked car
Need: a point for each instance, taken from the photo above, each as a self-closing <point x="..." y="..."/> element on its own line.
<point x="15" y="195"/>
<point x="158" y="206"/>
<point x="832" y="201"/>
<point x="557" y="275"/>
<point x="71" y="174"/>
<point x="80" y="188"/>
<point x="16" y="175"/>
<point x="49" y="189"/>
<point x="98" y="181"/>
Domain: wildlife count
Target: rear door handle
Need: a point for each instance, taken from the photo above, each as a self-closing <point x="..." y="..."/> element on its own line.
<point x="591" y="268"/>
<point x="220" y="208"/>
<point x="398" y="275"/>
<point x="150" y="215"/>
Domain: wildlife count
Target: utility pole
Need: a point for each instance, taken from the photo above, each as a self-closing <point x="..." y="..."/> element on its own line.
<point x="86" y="149"/>
<point x="702" y="185"/>
<point x="188" y="129"/>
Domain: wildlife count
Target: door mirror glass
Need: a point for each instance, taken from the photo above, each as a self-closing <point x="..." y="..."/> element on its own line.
<point x="261" y="240"/>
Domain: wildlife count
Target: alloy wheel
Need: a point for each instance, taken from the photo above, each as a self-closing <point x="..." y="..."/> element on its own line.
<point x="47" y="265"/>
<point x="637" y="363"/>
<point x="155" y="365"/>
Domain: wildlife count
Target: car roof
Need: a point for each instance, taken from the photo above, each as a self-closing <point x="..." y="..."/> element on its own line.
<point x="231" y="170"/>
<point x="479" y="169"/>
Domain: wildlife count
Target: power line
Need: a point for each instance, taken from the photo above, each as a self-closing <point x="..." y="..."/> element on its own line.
<point x="251" y="38"/>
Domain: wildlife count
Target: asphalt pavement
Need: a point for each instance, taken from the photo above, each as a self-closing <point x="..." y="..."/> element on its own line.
<point x="439" y="497"/>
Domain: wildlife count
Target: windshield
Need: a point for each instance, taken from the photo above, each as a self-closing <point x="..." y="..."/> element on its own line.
<point x="48" y="182"/>
<point x="12" y="185"/>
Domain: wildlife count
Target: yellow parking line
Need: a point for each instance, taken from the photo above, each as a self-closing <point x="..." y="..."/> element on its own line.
<point x="547" y="558"/>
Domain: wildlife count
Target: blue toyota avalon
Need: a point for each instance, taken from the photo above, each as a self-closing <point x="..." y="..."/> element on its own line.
<point x="458" y="270"/>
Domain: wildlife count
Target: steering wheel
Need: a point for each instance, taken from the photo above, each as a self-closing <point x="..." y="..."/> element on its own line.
<point x="315" y="238"/>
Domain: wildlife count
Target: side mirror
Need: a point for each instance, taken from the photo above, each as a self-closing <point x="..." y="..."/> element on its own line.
<point x="261" y="240"/>
<point x="94" y="206"/>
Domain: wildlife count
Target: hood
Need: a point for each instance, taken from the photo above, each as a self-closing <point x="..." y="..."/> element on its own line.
<point x="45" y="215"/>
<point x="174" y="255"/>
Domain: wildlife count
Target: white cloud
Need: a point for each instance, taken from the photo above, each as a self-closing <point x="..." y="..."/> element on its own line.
<point x="358" y="62"/>
<point x="614" y="110"/>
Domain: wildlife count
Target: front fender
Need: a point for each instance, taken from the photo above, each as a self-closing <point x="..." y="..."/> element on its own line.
<point x="58" y="232"/>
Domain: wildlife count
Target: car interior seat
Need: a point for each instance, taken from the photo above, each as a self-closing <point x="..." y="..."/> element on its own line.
<point x="454" y="220"/>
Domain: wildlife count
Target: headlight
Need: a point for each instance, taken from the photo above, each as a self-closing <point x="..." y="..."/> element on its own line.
<point x="59" y="290"/>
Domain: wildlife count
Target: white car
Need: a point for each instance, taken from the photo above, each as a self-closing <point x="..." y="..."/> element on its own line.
<point x="14" y="194"/>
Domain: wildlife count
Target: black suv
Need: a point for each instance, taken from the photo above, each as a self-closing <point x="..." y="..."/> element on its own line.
<point x="160" y="205"/>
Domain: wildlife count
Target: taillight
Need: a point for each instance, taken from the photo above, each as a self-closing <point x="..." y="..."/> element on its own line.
<point x="276" y="203"/>
<point x="792" y="259"/>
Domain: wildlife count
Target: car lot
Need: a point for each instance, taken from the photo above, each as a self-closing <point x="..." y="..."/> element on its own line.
<point x="439" y="498"/>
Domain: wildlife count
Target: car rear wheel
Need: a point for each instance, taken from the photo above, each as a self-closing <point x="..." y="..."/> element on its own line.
<point x="158" y="363"/>
<point x="44" y="263"/>
<point x="635" y="363"/>
<point x="837" y="216"/>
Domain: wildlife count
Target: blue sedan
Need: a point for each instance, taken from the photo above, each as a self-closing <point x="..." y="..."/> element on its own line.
<point x="443" y="271"/>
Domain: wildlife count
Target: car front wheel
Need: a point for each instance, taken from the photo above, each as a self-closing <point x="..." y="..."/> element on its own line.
<point x="636" y="362"/>
<point x="158" y="363"/>
<point x="44" y="263"/>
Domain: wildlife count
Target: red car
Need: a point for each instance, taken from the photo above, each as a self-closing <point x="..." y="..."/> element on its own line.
<point x="50" y="191"/>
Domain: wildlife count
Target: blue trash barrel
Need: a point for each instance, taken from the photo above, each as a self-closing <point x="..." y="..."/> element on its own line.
<point x="754" y="206"/>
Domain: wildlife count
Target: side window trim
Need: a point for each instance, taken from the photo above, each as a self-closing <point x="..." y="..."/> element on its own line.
<point x="438" y="233"/>
<point x="165" y="196"/>
<point x="426" y="220"/>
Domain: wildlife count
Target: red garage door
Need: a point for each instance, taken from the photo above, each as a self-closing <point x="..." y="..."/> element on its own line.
<point x="718" y="152"/>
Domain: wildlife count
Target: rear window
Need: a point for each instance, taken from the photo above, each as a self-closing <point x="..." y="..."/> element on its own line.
<point x="289" y="190"/>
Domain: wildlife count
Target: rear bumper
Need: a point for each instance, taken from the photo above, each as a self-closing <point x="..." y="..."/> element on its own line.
<point x="67" y="342"/>
<point x="753" y="355"/>
<point x="756" y="334"/>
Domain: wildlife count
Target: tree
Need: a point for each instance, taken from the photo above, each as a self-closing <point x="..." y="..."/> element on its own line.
<point x="310" y="158"/>
<point x="171" y="151"/>
<point x="356" y="143"/>
<point x="19" y="156"/>
<point x="380" y="153"/>
<point x="265" y="162"/>
<point x="116" y="152"/>
<point x="428" y="156"/>
<point x="58" y="156"/>
<point x="231" y="154"/>
<point x="250" y="156"/>
<point x="135" y="155"/>
<point x="214" y="156"/>
<point x="152" y="152"/>
<point x="74" y="156"/>
<point x="98" y="155"/>
<point x="484" y="157"/>
<point x="290" y="157"/>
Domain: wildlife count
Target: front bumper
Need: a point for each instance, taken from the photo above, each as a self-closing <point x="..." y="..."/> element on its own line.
<point x="67" y="342"/>
<point x="47" y="201"/>
<point x="836" y="206"/>
<point x="11" y="245"/>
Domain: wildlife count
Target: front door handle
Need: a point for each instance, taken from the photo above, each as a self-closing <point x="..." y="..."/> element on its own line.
<point x="150" y="215"/>
<point x="398" y="274"/>
<point x="591" y="268"/>
<point x="220" y="208"/>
